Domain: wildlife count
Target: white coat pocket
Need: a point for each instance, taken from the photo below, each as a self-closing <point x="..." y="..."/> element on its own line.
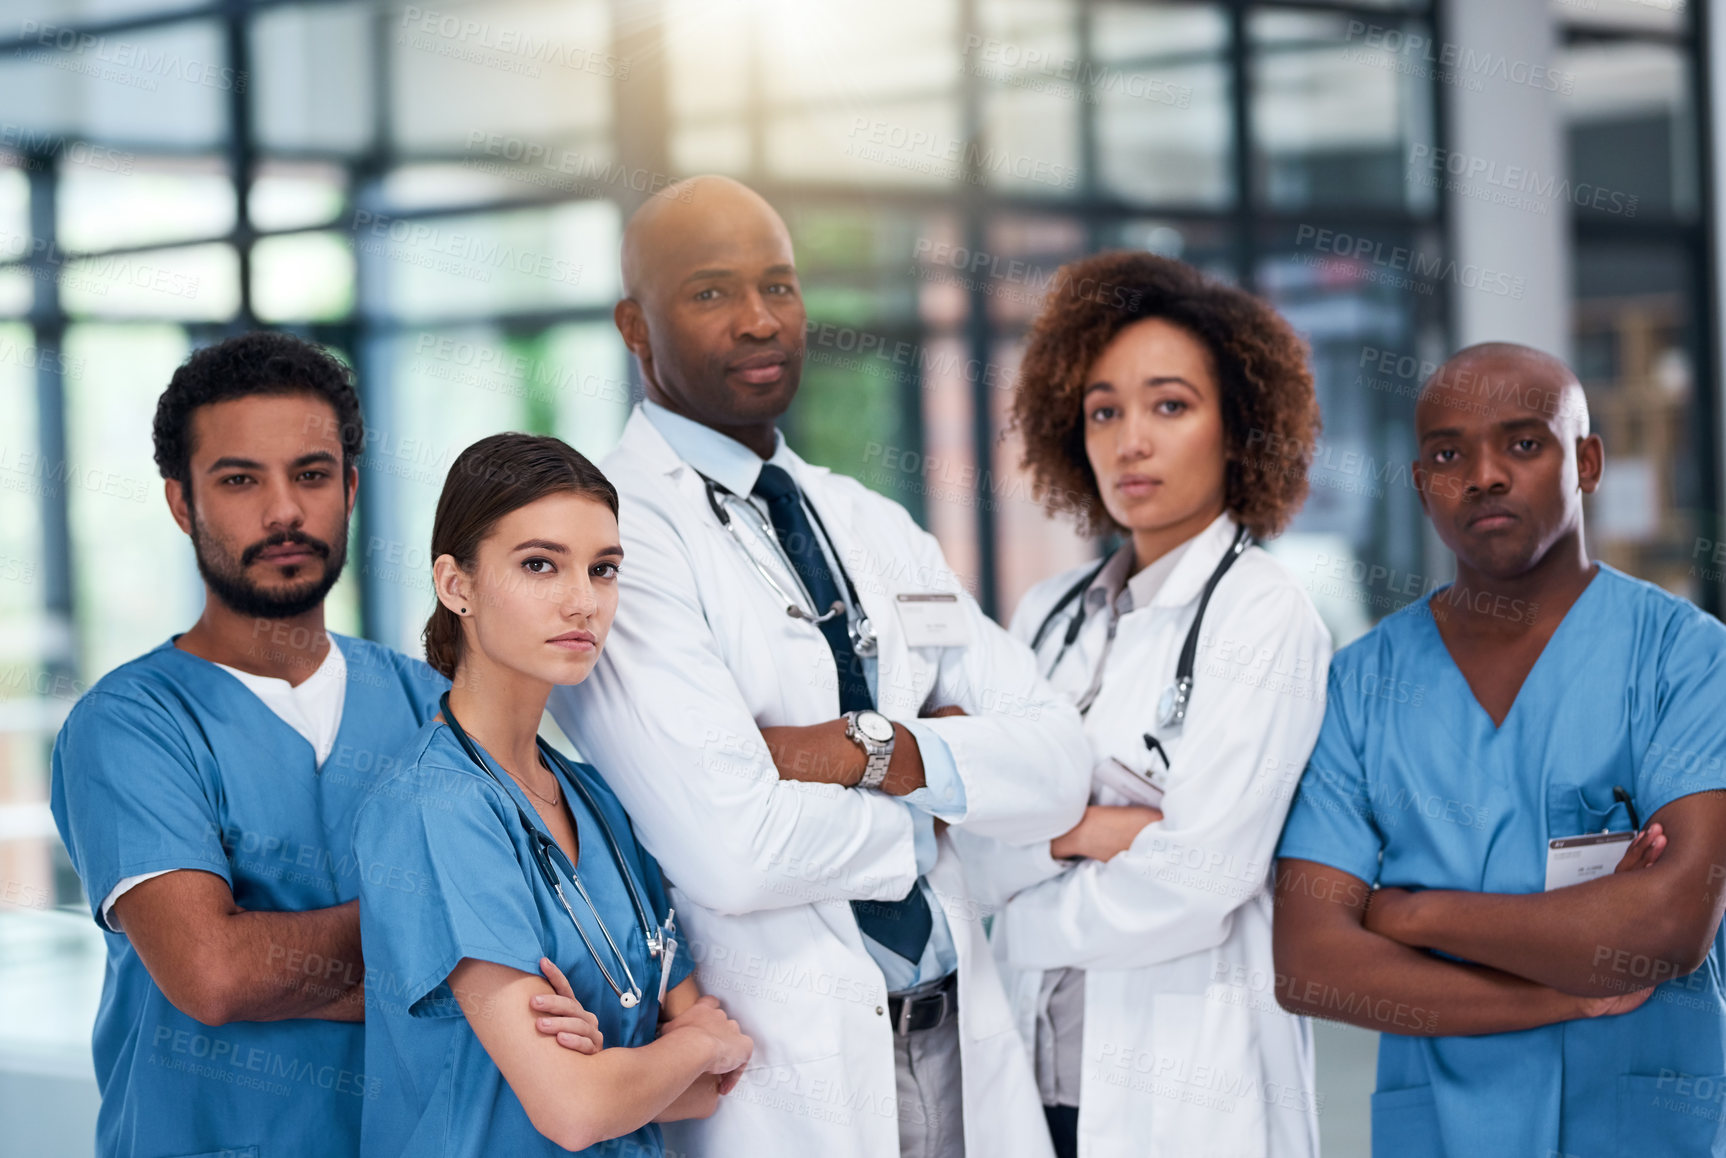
<point x="1205" y="1102"/>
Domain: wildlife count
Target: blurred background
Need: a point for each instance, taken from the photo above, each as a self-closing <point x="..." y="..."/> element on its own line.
<point x="437" y="192"/>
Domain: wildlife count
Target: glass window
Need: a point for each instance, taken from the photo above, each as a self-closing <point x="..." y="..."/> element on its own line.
<point x="1370" y="311"/>
<point x="467" y="74"/>
<point x="1636" y="355"/>
<point x="152" y="200"/>
<point x="303" y="277"/>
<point x="1159" y="85"/>
<point x="709" y="53"/>
<point x="712" y="148"/>
<point x="14" y="213"/>
<point x="1338" y="105"/>
<point x="446" y="389"/>
<point x="1035" y="82"/>
<point x="136" y="582"/>
<point x="850" y="54"/>
<point x="21" y="578"/>
<point x="918" y="143"/>
<point x="199" y="282"/>
<point x="472" y="265"/>
<point x="312" y="83"/>
<point x="45" y="17"/>
<point x="1632" y="132"/>
<point x="1031" y="546"/>
<point x="289" y="195"/>
<point x="166" y="85"/>
<point x="17" y="292"/>
<point x="1667" y="16"/>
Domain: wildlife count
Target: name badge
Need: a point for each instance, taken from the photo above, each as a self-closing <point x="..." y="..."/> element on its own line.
<point x="932" y="619"/>
<point x="1570" y="860"/>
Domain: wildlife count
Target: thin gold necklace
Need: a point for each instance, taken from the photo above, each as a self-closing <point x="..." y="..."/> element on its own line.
<point x="553" y="802"/>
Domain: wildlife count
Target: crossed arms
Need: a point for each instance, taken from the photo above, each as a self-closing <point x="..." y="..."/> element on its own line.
<point x="1350" y="953"/>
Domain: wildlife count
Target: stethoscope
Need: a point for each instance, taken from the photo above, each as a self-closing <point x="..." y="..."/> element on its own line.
<point x="862" y="632"/>
<point x="548" y="856"/>
<point x="1172" y="707"/>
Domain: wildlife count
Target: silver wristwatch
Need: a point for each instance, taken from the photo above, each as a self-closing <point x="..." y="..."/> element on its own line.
<point x="872" y="732"/>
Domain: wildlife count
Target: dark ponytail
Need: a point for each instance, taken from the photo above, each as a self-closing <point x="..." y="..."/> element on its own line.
<point x="487" y="481"/>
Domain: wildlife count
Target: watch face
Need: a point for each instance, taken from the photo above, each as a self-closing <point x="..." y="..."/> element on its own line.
<point x="875" y="726"/>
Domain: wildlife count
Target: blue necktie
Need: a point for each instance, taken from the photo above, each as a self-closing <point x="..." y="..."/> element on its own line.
<point x="902" y="926"/>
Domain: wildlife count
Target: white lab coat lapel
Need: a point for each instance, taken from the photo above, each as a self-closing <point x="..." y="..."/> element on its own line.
<point x="753" y="636"/>
<point x="833" y="1092"/>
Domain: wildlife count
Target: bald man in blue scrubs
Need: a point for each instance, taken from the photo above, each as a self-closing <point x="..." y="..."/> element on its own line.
<point x="206" y="790"/>
<point x="1546" y="971"/>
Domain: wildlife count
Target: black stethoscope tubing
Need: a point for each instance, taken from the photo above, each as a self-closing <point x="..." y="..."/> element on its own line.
<point x="1174" y="710"/>
<point x="547" y="855"/>
<point x="862" y="633"/>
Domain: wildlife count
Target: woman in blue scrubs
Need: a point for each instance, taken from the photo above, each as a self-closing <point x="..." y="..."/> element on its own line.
<point x="493" y="869"/>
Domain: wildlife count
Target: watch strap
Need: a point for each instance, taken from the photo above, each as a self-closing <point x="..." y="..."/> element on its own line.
<point x="875" y="771"/>
<point x="878" y="755"/>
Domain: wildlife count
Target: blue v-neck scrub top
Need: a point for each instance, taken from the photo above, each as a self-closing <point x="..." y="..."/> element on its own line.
<point x="1630" y="692"/>
<point x="450" y="874"/>
<point x="169" y="762"/>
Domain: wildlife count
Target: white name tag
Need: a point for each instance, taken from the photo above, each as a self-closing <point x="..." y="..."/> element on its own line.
<point x="1570" y="860"/>
<point x="932" y="619"/>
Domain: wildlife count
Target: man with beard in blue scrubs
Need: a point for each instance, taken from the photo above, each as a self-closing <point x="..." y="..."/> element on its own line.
<point x="206" y="790"/>
<point x="1487" y="754"/>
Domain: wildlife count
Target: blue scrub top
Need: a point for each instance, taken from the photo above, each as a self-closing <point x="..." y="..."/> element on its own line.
<point x="169" y="762"/>
<point x="461" y="882"/>
<point x="1630" y="692"/>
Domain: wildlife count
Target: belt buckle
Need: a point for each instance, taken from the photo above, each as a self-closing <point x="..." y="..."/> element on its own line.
<point x="906" y="1004"/>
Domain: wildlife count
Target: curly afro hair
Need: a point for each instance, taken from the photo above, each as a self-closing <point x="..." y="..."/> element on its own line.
<point x="257" y="363"/>
<point x="1270" y="413"/>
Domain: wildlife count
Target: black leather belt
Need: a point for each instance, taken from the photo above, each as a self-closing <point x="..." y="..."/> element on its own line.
<point x="925" y="1010"/>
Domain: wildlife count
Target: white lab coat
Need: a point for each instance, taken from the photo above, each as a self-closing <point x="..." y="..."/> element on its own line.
<point x="762" y="871"/>
<point x="1186" y="1052"/>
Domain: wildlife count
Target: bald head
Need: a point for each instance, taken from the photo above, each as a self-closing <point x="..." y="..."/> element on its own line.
<point x="712" y="308"/>
<point x="1504" y="377"/>
<point x="1505" y="457"/>
<point x="692" y="219"/>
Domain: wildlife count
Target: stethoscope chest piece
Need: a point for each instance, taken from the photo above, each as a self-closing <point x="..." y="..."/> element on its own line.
<point x="863" y="640"/>
<point x="628" y="999"/>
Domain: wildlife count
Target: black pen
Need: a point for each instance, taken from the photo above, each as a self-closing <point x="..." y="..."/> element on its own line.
<point x="1623" y="798"/>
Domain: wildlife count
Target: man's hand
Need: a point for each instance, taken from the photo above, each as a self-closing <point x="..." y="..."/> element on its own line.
<point x="561" y="1016"/>
<point x="1644" y="850"/>
<point x="1615" y="1005"/>
<point x="1104" y="831"/>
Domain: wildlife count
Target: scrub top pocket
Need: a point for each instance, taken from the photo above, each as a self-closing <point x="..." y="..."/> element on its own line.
<point x="1570" y="813"/>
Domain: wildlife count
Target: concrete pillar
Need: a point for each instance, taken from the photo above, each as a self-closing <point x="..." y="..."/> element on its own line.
<point x="1504" y="111"/>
